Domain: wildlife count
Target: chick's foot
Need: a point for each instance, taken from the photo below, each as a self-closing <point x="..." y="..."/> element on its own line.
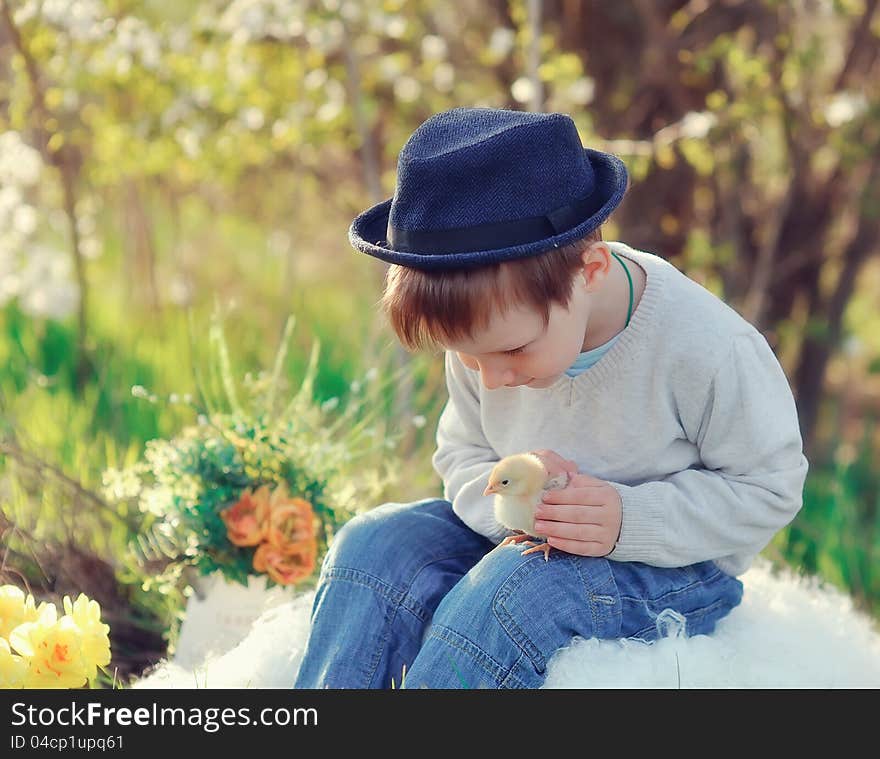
<point x="511" y="539"/>
<point x="545" y="547"/>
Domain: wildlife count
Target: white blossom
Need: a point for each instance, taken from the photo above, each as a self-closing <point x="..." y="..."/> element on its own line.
<point x="24" y="219"/>
<point x="134" y="39"/>
<point x="501" y="41"/>
<point x="328" y="111"/>
<point x="55" y="300"/>
<point x="315" y="79"/>
<point x="82" y="20"/>
<point x="697" y="124"/>
<point x="335" y="93"/>
<point x="351" y="11"/>
<point x="407" y="89"/>
<point x="395" y="26"/>
<point x="844" y="107"/>
<point x="41" y="278"/>
<point x="120" y="484"/>
<point x="91" y="248"/>
<point x="444" y="77"/>
<point x="20" y="164"/>
<point x="390" y="68"/>
<point x="189" y="141"/>
<point x="155" y="500"/>
<point x="582" y="90"/>
<point x="433" y="47"/>
<point x="252" y="118"/>
<point x="523" y="90"/>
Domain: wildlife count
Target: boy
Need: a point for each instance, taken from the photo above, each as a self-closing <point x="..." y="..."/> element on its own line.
<point x="609" y="362"/>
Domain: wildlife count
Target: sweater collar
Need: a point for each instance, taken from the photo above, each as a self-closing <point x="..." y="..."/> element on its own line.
<point x="635" y="336"/>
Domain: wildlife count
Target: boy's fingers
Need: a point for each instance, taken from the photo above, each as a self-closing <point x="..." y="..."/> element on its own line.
<point x="571" y="531"/>
<point x="579" y="547"/>
<point x="567" y="512"/>
<point x="585" y="480"/>
<point x="583" y="494"/>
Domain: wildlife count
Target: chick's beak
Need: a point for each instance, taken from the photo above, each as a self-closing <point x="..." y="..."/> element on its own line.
<point x="489" y="490"/>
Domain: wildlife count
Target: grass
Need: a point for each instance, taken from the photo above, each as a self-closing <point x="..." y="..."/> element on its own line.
<point x="837" y="532"/>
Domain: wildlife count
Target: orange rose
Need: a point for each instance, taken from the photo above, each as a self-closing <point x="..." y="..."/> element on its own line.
<point x="285" y="566"/>
<point x="291" y="522"/>
<point x="246" y="522"/>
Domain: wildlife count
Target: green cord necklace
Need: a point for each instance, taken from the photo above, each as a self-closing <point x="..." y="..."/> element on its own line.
<point x="629" y="313"/>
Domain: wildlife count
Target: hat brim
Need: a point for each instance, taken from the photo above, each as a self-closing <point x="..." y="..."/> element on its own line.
<point x="368" y="231"/>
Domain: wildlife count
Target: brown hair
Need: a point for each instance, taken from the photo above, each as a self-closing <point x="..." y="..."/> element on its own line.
<point x="428" y="308"/>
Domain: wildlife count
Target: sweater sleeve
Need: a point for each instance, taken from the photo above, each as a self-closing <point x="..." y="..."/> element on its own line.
<point x="752" y="484"/>
<point x="464" y="457"/>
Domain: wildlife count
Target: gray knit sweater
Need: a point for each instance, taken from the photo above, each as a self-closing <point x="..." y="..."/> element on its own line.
<point x="689" y="416"/>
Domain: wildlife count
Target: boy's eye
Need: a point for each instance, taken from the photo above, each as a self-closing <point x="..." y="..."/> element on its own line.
<point x="514" y="351"/>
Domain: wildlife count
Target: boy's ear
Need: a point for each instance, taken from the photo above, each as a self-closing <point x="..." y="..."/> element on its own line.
<point x="593" y="258"/>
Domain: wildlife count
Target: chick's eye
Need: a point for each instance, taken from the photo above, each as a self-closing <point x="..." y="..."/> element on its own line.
<point x="505" y="482"/>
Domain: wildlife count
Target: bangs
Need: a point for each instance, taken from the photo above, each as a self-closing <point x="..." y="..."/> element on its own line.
<point x="428" y="310"/>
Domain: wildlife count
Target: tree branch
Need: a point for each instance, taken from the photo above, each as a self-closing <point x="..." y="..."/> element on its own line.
<point x="861" y="39"/>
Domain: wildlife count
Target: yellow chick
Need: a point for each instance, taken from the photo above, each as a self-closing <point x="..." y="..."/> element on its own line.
<point x="518" y="483"/>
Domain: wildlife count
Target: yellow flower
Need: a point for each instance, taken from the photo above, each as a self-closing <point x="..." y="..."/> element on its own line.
<point x="12" y="668"/>
<point x="53" y="648"/>
<point x="95" y="634"/>
<point x="15" y="608"/>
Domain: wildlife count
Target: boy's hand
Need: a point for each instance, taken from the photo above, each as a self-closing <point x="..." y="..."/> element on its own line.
<point x="584" y="518"/>
<point x="554" y="463"/>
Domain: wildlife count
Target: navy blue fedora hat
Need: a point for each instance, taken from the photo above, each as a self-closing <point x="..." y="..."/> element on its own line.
<point x="482" y="185"/>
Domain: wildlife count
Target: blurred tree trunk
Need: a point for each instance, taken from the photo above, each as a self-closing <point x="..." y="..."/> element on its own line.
<point x="536" y="103"/>
<point x="818" y="346"/>
<point x="140" y="256"/>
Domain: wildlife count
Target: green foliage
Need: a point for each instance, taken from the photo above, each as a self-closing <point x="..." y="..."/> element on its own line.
<point x="837" y="532"/>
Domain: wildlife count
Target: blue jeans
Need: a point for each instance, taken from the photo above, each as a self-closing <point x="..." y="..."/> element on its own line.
<point x="410" y="583"/>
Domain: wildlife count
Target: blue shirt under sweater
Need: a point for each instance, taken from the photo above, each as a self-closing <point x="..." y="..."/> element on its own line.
<point x="586" y="359"/>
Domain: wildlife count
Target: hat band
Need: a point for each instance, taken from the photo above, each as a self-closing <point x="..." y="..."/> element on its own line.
<point x="503" y="234"/>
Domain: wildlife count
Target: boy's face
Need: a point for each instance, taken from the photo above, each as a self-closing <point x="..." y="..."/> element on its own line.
<point x="545" y="353"/>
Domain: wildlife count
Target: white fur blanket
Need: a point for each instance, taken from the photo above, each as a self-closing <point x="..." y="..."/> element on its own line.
<point x="788" y="632"/>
